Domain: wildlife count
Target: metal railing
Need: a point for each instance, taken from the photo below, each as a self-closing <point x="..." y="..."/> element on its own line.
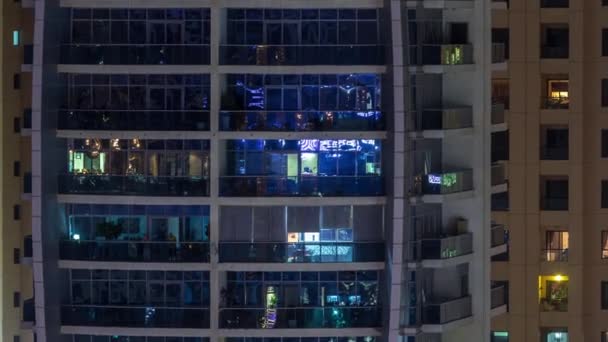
<point x="442" y="183"/>
<point x="134" y="120"/>
<point x="498" y="296"/>
<point x="554" y="153"/>
<point x="301" y="121"/>
<point x="134" y="251"/>
<point x="548" y="203"/>
<point x="554" y="255"/>
<point x="447" y="311"/>
<point x="130" y="54"/>
<point x="300" y="318"/>
<point x="447" y="118"/>
<point x="498" y="113"/>
<point x="498" y="174"/>
<point x="301" y="54"/>
<point x="252" y="186"/>
<point x="443" y="247"/>
<point x="554" y="52"/>
<point x="555" y="102"/>
<point x="554" y="3"/>
<point x="553" y="305"/>
<point x="499" y="53"/>
<point x="498" y="235"/>
<point x="135" y="317"/>
<point x="442" y="54"/>
<point x="133" y="185"/>
<point x="301" y="252"/>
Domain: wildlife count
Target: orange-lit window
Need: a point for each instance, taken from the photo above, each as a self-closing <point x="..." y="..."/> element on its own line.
<point x="558" y="89"/>
<point x="553" y="292"/>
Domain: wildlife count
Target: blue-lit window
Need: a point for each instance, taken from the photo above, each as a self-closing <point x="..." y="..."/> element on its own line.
<point x="16" y="37"/>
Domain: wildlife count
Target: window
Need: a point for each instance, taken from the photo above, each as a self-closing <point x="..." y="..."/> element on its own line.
<point x="554" y="143"/>
<point x="604" y="203"/>
<point x="16" y="338"/>
<point x="555" y="41"/>
<point x="604" y="295"/>
<point x="16" y="169"/>
<point x="604" y="244"/>
<point x="604" y="92"/>
<point x="16" y="299"/>
<point x="16" y="81"/>
<point x="557" y="94"/>
<point x="500" y="42"/>
<point x="554" y="193"/>
<point x="499" y="336"/>
<point x="16" y="38"/>
<point x="16" y="125"/>
<point x="16" y="212"/>
<point x="554" y="4"/>
<point x="500" y="92"/>
<point x="554" y="335"/>
<point x="604" y="42"/>
<point x="604" y="147"/>
<point x="556" y="246"/>
<point x="16" y="256"/>
<point x="553" y="293"/>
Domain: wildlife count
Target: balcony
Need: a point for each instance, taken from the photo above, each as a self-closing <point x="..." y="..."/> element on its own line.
<point x="554" y="203"/>
<point x="498" y="174"/>
<point x="554" y="255"/>
<point x="301" y="318"/>
<point x="134" y="120"/>
<point x="134" y="54"/>
<point x="27" y="118"/>
<point x="498" y="297"/>
<point x="28" y="54"/>
<point x="444" y="311"/>
<point x="500" y="201"/>
<point x="133" y="185"/>
<point x="135" y="317"/>
<point x="265" y="186"/>
<point x="444" y="183"/>
<point x="27" y="247"/>
<point x="302" y="121"/>
<point x="445" y="247"/>
<point x="555" y="102"/>
<point x="445" y="119"/>
<point x="554" y="52"/>
<point x="498" y="53"/>
<point x="443" y="54"/>
<point x="498" y="235"/>
<point x="301" y="252"/>
<point x="27" y="183"/>
<point x="301" y="54"/>
<point x="498" y="114"/>
<point x="134" y="251"/>
<point x="29" y="312"/>
<point x="554" y="153"/>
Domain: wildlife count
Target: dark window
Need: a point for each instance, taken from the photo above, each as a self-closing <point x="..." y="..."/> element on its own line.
<point x="459" y="33"/>
<point x="16" y="212"/>
<point x="604" y="2"/>
<point x="554" y="3"/>
<point x="500" y="92"/>
<point x="554" y="194"/>
<point x="605" y="93"/>
<point x="554" y="143"/>
<point x="501" y="36"/>
<point x="16" y="81"/>
<point x="16" y="299"/>
<point x="555" y="41"/>
<point x="16" y="169"/>
<point x="605" y="194"/>
<point x="500" y="146"/>
<point x="604" y="42"/>
<point x="604" y="295"/>
<point x="16" y="125"/>
<point x="16" y="338"/>
<point x="16" y="256"/>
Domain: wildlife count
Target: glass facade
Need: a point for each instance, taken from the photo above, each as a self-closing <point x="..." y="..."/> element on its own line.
<point x="138" y="167"/>
<point x="298" y="37"/>
<point x="117" y="338"/>
<point x="138" y="36"/>
<point x="302" y="103"/>
<point x="302" y="168"/>
<point x="300" y="300"/>
<point x="136" y="102"/>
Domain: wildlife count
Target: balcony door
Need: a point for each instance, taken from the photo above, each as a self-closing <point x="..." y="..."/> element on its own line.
<point x="169" y="97"/>
<point x="282" y="32"/>
<point x="165" y="32"/>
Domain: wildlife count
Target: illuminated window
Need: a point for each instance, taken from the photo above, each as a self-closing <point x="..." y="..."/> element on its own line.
<point x="554" y="335"/>
<point x="553" y="292"/>
<point x="499" y="336"/>
<point x="604" y="244"/>
<point x="16" y="38"/>
<point x="556" y="244"/>
<point x="557" y="94"/>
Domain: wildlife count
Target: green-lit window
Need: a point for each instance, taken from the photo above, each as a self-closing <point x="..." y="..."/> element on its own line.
<point x="16" y="37"/>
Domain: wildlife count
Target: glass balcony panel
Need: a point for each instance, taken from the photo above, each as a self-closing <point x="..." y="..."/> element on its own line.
<point x="252" y="186"/>
<point x="555" y="102"/>
<point x="445" y="311"/>
<point x="554" y="204"/>
<point x="554" y="255"/>
<point x="498" y="235"/>
<point x="134" y="54"/>
<point x="498" y="297"/>
<point x="447" y="247"/>
<point x="443" y="54"/>
<point x="449" y="118"/>
<point x="444" y="183"/>
<point x="134" y="251"/>
<point x="498" y="53"/>
<point x="133" y="185"/>
<point x="29" y="310"/>
<point x="134" y="120"/>
<point x="498" y="174"/>
<point x="135" y="317"/>
<point x="308" y="252"/>
<point x="554" y="51"/>
<point x="498" y="113"/>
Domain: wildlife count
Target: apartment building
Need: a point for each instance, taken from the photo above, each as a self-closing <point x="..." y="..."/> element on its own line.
<point x="555" y="90"/>
<point x="17" y="315"/>
<point x="261" y="170"/>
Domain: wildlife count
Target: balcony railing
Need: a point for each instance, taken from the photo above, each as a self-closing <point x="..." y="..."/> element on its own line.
<point x="449" y="118"/>
<point x="501" y="100"/>
<point x="134" y="54"/>
<point x="444" y="183"/>
<point x="498" y="296"/>
<point x="133" y="185"/>
<point x="554" y="153"/>
<point x="554" y="255"/>
<point x="28" y="54"/>
<point x="554" y="203"/>
<point x="442" y="54"/>
<point x="301" y="252"/>
<point x="554" y="4"/>
<point x="252" y="186"/>
<point x="29" y="310"/>
<point x="445" y="247"/>
<point x="554" y="52"/>
<point x="27" y="247"/>
<point x="500" y="201"/>
<point x="554" y="305"/>
<point x="134" y="120"/>
<point x="301" y="54"/>
<point x="446" y="311"/>
<point x="498" y="114"/>
<point x="555" y="102"/>
<point x="301" y="121"/>
<point x="135" y="317"/>
<point x="301" y="318"/>
<point x="134" y="251"/>
<point x="498" y="235"/>
<point x="498" y="174"/>
<point x="499" y="53"/>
